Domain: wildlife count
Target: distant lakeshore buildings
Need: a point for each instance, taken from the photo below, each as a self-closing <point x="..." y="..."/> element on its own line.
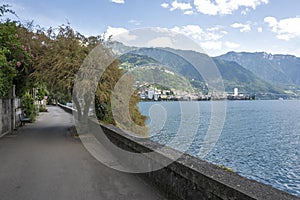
<point x="152" y="93"/>
<point x="237" y="96"/>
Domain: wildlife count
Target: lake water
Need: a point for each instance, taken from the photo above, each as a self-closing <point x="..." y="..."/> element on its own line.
<point x="259" y="140"/>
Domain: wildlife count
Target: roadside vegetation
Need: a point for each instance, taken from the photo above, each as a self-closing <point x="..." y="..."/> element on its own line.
<point x="44" y="62"/>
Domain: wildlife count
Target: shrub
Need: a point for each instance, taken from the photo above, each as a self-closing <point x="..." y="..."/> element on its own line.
<point x="28" y="103"/>
<point x="43" y="108"/>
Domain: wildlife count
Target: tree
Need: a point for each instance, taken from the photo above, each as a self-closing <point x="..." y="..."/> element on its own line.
<point x="7" y="73"/>
<point x="52" y="60"/>
<point x="124" y="100"/>
<point x="13" y="52"/>
<point x="58" y="60"/>
<point x="5" y="9"/>
<point x="67" y="57"/>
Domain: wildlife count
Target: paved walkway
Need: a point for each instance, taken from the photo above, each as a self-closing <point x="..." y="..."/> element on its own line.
<point x="42" y="161"/>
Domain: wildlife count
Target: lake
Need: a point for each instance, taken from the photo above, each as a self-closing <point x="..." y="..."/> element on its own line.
<point x="260" y="140"/>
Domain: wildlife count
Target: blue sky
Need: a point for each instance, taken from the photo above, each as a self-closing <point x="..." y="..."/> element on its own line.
<point x="218" y="26"/>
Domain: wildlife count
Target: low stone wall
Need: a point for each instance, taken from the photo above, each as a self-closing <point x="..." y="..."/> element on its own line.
<point x="66" y="108"/>
<point x="5" y="116"/>
<point x="190" y="177"/>
<point x="9" y="115"/>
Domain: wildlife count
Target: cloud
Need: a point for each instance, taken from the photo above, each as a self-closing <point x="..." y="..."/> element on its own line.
<point x="272" y="21"/>
<point x="197" y="33"/>
<point x="231" y="45"/>
<point x="245" y="11"/>
<point x="242" y="27"/>
<point x="119" y="34"/>
<point x="260" y="29"/>
<point x="211" y="45"/>
<point x="161" y="42"/>
<point x="164" y="5"/>
<point x="206" y="7"/>
<point x="118" y="1"/>
<point x="115" y="31"/>
<point x="204" y="40"/>
<point x="226" y="7"/>
<point x="188" y="12"/>
<point x="209" y="38"/>
<point x="286" y="29"/>
<point x="218" y="45"/>
<point x="180" y="6"/>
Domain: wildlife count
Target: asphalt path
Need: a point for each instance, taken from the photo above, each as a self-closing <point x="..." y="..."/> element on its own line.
<point x="42" y="161"/>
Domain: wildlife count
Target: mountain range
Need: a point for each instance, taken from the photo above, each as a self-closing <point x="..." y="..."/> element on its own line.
<point x="281" y="70"/>
<point x="256" y="73"/>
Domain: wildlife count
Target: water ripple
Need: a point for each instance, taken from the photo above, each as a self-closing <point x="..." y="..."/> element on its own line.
<point x="260" y="139"/>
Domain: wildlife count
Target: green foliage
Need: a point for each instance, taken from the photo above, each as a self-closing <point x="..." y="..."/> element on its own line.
<point x="7" y="73"/>
<point x="131" y="60"/>
<point x="104" y="90"/>
<point x="170" y="59"/>
<point x="29" y="108"/>
<point x="199" y="86"/>
<point x="59" y="58"/>
<point x="15" y="57"/>
<point x="43" y="108"/>
<point x="146" y="69"/>
<point x="61" y="55"/>
<point x="41" y="91"/>
<point x="48" y="61"/>
<point x="159" y="75"/>
<point x="116" y="102"/>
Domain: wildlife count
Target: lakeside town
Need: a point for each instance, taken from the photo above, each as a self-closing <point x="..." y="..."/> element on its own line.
<point x="149" y="92"/>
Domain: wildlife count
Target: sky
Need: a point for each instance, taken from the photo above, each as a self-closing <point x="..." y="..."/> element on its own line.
<point x="217" y="26"/>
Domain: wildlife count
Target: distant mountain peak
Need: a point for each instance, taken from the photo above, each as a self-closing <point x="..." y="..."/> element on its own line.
<point x="262" y="53"/>
<point x="279" y="69"/>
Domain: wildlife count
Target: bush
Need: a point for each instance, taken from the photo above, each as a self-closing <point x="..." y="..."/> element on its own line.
<point x="28" y="103"/>
<point x="43" y="108"/>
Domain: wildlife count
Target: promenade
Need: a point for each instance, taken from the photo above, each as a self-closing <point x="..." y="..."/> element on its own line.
<point x="42" y="161"/>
